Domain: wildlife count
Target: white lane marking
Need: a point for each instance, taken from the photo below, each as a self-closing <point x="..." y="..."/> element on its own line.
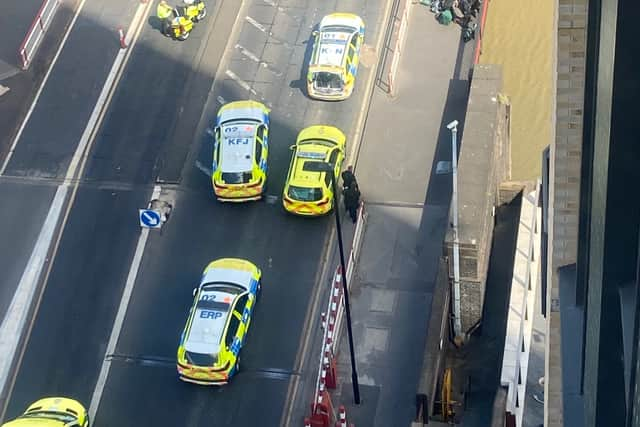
<point x="258" y="25"/>
<point x="246" y="52"/>
<point x="16" y="318"/>
<point x="119" y="320"/>
<point x="246" y="86"/>
<point x="252" y="56"/>
<point x="221" y="100"/>
<point x="44" y="82"/>
<point x="104" y="99"/>
<point x="37" y="261"/>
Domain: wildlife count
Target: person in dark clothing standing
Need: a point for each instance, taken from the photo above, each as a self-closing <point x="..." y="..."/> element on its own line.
<point x="352" y="200"/>
<point x="348" y="178"/>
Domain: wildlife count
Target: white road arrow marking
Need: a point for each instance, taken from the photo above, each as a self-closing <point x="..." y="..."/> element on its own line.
<point x="152" y="220"/>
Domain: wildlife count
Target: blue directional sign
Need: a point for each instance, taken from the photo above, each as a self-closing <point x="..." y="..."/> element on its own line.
<point x="149" y="218"/>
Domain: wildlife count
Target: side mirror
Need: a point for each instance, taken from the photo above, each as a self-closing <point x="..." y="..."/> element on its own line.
<point x="292" y="147"/>
<point x="195" y="291"/>
<point x="315" y="33"/>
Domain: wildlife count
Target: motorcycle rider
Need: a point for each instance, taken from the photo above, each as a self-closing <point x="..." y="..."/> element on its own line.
<point x="165" y="14"/>
<point x="194" y="10"/>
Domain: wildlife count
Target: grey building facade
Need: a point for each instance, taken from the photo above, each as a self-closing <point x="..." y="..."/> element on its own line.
<point x="593" y="294"/>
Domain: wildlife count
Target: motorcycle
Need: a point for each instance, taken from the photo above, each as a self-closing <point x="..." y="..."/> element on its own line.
<point x="195" y="12"/>
<point x="178" y="27"/>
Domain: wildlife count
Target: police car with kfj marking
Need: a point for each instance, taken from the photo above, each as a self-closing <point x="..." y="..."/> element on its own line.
<point x="209" y="350"/>
<point x="240" y="151"/>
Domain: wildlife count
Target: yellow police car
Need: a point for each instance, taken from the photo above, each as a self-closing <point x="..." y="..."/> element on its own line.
<point x="335" y="57"/>
<point x="307" y="192"/>
<point x="209" y="350"/>
<point x="52" y="412"/>
<point x="240" y="150"/>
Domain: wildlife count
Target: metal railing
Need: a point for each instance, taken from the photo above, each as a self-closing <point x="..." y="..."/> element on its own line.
<point x="480" y="32"/>
<point x="36" y="32"/>
<point x="521" y="305"/>
<point x="397" y="49"/>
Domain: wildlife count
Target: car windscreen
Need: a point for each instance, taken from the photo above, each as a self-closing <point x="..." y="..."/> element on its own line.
<point x="305" y="194"/>
<point x="323" y="79"/>
<point x="50" y="415"/>
<point x="200" y="359"/>
<point x="237" y="177"/>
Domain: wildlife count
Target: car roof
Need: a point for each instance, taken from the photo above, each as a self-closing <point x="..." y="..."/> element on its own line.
<point x="208" y="320"/>
<point x="242" y="110"/>
<point x="305" y="153"/>
<point x="34" y="422"/>
<point x="237" y="146"/>
<point x="332" y="47"/>
<point x="238" y="277"/>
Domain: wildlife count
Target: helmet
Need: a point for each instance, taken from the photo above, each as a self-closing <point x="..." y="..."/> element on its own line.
<point x="188" y="2"/>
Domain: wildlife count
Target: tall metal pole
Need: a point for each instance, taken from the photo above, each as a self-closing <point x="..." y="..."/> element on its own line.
<point x="457" y="325"/>
<point x="345" y="292"/>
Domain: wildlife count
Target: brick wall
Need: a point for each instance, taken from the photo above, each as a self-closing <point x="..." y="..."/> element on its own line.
<point x="564" y="188"/>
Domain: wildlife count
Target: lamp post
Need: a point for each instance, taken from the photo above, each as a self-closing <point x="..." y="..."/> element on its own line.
<point x="457" y="323"/>
<point x="318" y="166"/>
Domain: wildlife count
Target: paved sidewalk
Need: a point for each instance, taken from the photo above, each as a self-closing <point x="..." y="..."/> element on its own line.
<point x="407" y="205"/>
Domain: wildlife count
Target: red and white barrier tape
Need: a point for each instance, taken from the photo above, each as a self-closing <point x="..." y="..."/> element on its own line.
<point x="332" y="321"/>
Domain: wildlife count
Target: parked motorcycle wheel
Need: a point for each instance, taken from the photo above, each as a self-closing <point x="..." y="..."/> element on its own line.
<point x="202" y="14"/>
<point x="182" y="37"/>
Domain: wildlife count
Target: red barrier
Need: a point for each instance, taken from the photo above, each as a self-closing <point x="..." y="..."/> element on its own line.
<point x="36" y="31"/>
<point x="322" y="413"/>
<point x="483" y="18"/>
<point x="321" y="410"/>
<point x="331" y="378"/>
<point x="123" y="43"/>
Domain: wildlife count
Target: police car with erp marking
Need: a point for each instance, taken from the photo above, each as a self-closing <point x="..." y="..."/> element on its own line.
<point x="209" y="350"/>
<point x="240" y="151"/>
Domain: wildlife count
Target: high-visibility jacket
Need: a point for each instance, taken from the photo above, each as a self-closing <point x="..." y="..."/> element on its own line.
<point x="164" y="10"/>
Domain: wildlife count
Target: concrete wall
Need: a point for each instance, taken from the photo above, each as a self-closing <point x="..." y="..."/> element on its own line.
<point x="483" y="163"/>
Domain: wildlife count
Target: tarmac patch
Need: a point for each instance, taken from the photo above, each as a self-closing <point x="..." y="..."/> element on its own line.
<point x="382" y="300"/>
<point x="375" y="339"/>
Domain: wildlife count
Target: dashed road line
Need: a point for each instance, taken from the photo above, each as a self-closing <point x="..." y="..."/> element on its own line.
<point x="246" y="86"/>
<point x="255" y="58"/>
<point x="120" y="315"/>
<point x="264" y="29"/>
<point x="257" y="25"/>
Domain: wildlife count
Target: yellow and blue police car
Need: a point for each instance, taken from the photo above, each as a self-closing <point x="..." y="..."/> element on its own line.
<point x="306" y="192"/>
<point x="335" y="57"/>
<point x="52" y="412"/>
<point x="240" y="151"/>
<point x="209" y="350"/>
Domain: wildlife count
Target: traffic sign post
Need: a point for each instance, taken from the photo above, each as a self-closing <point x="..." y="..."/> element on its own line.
<point x="149" y="218"/>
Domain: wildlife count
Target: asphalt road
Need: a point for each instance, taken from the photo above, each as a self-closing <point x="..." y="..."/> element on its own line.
<point x="155" y="130"/>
